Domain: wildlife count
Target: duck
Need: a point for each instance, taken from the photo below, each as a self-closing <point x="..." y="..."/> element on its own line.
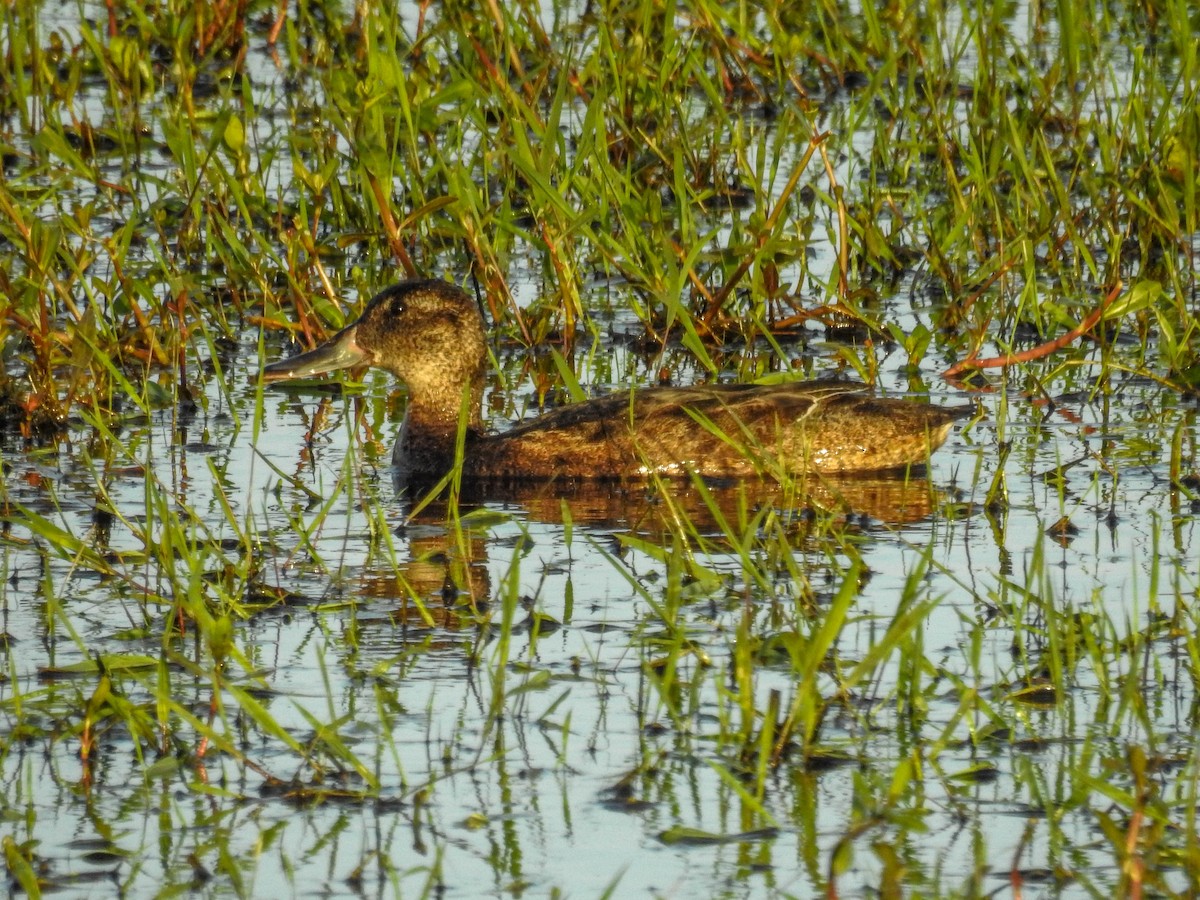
<point x="430" y="335"/>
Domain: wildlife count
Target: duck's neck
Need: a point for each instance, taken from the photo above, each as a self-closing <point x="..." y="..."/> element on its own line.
<point x="429" y="434"/>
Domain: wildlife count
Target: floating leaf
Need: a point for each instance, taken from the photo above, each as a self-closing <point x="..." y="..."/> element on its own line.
<point x="1036" y="695"/>
<point x="979" y="773"/>
<point x="698" y="838"/>
<point x="119" y="662"/>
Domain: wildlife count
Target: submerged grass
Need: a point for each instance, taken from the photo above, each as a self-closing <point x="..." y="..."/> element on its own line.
<point x="660" y="193"/>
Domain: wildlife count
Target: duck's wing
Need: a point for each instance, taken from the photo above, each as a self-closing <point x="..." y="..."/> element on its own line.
<point x="580" y="441"/>
<point x="720" y="431"/>
<point x="666" y="430"/>
<point x="789" y="428"/>
<point x="725" y="430"/>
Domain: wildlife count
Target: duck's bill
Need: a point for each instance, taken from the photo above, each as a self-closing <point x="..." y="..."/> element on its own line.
<point x="342" y="352"/>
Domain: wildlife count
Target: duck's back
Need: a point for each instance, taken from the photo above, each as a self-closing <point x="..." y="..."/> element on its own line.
<point x="717" y="430"/>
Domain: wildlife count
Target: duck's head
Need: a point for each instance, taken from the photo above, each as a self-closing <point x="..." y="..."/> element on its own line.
<point x="429" y="334"/>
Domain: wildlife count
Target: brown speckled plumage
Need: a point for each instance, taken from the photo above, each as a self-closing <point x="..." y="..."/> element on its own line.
<point x="430" y="335"/>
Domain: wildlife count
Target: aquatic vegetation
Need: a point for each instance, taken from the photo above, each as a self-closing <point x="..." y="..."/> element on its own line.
<point x="232" y="656"/>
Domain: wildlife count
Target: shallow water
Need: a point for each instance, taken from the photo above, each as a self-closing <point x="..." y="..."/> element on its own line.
<point x="555" y="759"/>
<point x="550" y="696"/>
